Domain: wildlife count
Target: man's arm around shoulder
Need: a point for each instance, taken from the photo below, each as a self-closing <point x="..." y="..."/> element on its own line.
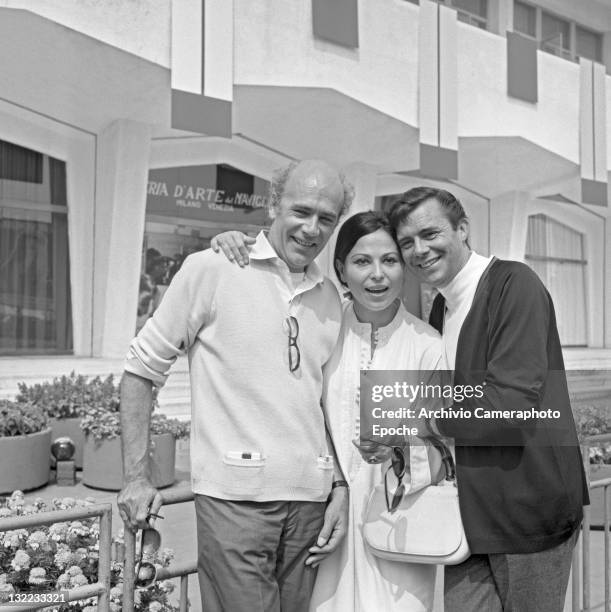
<point x="138" y="498"/>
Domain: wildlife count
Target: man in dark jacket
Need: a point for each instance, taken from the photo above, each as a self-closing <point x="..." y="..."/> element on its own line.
<point x="520" y="477"/>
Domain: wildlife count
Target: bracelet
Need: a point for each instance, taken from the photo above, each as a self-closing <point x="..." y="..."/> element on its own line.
<point x="339" y="483"/>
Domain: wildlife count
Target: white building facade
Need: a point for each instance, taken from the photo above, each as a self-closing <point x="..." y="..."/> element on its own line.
<point x="131" y="131"/>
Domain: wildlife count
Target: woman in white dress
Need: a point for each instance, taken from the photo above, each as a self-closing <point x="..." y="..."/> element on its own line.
<point x="377" y="333"/>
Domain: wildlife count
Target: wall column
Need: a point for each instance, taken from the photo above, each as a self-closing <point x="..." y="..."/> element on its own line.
<point x="508" y="225"/>
<point x="607" y="283"/>
<point x="122" y="172"/>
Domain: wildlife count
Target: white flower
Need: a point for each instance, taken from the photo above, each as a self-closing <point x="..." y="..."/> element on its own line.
<point x="20" y="561"/>
<point x="63" y="581"/>
<point x="39" y="502"/>
<point x="16" y="500"/>
<point x="37" y="539"/>
<point x="155" y="606"/>
<point x="77" y="528"/>
<point x="167" y="586"/>
<point x="6" y="588"/>
<point x="38" y="575"/>
<point x="74" y="570"/>
<point x="165" y="556"/>
<point x="116" y="593"/>
<point x="13" y="539"/>
<point x="58" y="531"/>
<point x="63" y="558"/>
<point x="79" y="580"/>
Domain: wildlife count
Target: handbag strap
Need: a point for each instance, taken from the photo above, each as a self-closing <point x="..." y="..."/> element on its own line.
<point x="446" y="458"/>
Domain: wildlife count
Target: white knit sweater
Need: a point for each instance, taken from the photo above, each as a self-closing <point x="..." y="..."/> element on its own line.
<point x="257" y="429"/>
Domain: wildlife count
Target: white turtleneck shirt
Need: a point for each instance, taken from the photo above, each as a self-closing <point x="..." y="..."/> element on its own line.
<point x="459" y="293"/>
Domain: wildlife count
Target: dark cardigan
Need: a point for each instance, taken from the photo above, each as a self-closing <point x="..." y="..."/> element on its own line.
<point x="521" y="481"/>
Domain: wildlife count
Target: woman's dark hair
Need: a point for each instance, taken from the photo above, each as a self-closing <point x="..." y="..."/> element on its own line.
<point x="353" y="229"/>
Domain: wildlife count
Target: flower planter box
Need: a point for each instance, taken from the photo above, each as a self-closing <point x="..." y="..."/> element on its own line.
<point x="102" y="462"/>
<point x="72" y="429"/>
<point x="25" y="461"/>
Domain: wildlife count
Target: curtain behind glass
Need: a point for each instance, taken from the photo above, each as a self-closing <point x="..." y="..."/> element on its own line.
<point x="525" y="19"/>
<point x="555" y="252"/>
<point x="35" y="307"/>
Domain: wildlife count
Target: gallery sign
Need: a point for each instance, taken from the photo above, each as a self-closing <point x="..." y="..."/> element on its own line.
<point x="208" y="193"/>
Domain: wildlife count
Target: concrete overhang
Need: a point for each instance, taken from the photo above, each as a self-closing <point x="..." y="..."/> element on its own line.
<point x="72" y="78"/>
<point x="306" y="122"/>
<point x="69" y="77"/>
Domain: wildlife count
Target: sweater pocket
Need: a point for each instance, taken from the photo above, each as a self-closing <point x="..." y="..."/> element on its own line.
<point x="243" y="473"/>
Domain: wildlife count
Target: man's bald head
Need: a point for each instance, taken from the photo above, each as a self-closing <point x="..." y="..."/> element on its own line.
<point x="315" y="174"/>
<point x="307" y="199"/>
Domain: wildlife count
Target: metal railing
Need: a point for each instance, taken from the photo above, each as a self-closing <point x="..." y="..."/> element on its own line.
<point x="101" y="588"/>
<point x="175" y="570"/>
<point x="583" y="555"/>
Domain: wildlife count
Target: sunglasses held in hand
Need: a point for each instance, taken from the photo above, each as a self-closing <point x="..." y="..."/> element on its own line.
<point x="150" y="542"/>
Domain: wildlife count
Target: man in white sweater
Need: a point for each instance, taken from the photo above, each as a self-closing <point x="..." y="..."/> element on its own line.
<point x="257" y="339"/>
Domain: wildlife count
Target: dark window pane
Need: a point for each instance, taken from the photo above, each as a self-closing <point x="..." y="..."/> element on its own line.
<point x="19" y="164"/>
<point x="525" y="19"/>
<point x="555" y="34"/>
<point x="35" y="310"/>
<point x="589" y="44"/>
<point x="475" y="7"/>
<point x="57" y="179"/>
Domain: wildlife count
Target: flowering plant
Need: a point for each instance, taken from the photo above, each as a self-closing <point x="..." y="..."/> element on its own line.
<point x="600" y="454"/>
<point x="20" y="419"/>
<point x="106" y="424"/>
<point x="65" y="555"/>
<point x="71" y="396"/>
<point x="594" y="421"/>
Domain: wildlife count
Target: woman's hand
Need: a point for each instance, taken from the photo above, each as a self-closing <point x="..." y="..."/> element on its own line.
<point x="234" y="245"/>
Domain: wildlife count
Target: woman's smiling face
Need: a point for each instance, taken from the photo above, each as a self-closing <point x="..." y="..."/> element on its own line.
<point x="373" y="272"/>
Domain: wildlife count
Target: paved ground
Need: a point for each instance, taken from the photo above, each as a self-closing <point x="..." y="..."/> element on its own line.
<point x="178" y="529"/>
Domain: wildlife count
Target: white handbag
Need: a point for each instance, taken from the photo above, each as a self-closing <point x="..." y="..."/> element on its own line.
<point x="425" y="527"/>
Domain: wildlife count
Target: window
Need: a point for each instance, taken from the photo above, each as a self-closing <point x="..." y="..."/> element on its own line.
<point x="473" y="12"/>
<point x="589" y="44"/>
<point x="20" y="164"/>
<point x="556" y="253"/>
<point x="525" y="19"/>
<point x="35" y="306"/>
<point x="556" y="35"/>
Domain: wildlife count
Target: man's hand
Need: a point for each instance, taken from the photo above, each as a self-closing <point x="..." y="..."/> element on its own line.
<point x="234" y="245"/>
<point x="334" y="527"/>
<point x="137" y="500"/>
